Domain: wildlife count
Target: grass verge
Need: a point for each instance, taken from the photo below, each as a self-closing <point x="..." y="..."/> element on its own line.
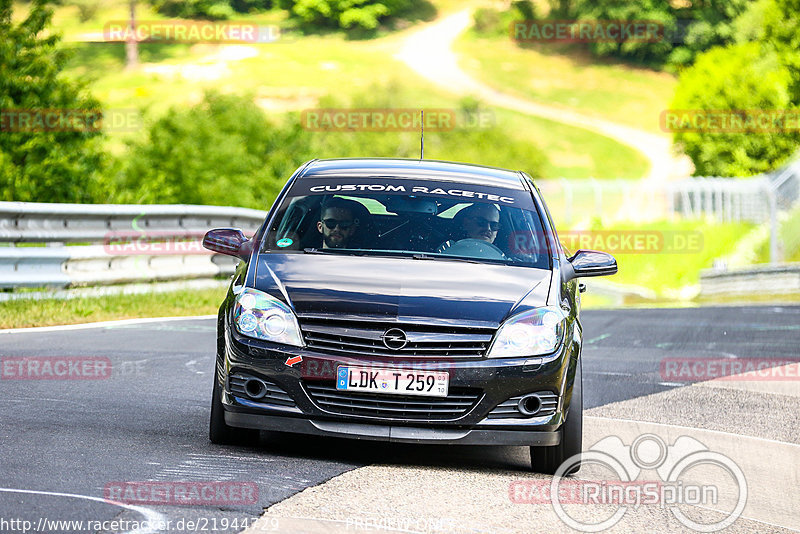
<point x="48" y="312"/>
<point x="570" y="78"/>
<point x="670" y="272"/>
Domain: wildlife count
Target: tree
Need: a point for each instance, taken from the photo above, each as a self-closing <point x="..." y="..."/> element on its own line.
<point x="35" y="164"/>
<point x="738" y="77"/>
<point x="782" y="34"/>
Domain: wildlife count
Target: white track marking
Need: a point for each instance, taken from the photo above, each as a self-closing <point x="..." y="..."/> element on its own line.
<point x="104" y="324"/>
<point x="190" y="366"/>
<point x="152" y="517"/>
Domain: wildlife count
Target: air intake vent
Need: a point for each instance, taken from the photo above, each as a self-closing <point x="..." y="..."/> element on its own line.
<point x="510" y="409"/>
<point x="457" y="404"/>
<point x="242" y="386"/>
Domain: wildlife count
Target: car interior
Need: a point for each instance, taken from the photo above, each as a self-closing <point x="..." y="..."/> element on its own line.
<point x="407" y="223"/>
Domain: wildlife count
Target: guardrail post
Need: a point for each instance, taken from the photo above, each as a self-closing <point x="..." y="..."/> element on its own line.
<point x="773" y="222"/>
<point x="598" y="198"/>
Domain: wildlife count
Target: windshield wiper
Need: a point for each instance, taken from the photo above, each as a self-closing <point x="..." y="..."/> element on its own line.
<point x="357" y="252"/>
<point x="351" y="251"/>
<point x="446" y="258"/>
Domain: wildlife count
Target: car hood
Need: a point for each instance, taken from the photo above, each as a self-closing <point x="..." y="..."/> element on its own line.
<point x="401" y="288"/>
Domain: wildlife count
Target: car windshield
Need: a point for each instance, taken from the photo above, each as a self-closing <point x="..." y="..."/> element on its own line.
<point x="398" y="217"/>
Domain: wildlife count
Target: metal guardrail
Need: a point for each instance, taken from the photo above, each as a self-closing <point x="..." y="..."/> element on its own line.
<point x="780" y="279"/>
<point x="124" y="242"/>
<point x="34" y="222"/>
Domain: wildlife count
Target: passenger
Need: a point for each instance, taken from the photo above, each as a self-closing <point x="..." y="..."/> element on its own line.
<point x="478" y="221"/>
<point x="337" y="222"/>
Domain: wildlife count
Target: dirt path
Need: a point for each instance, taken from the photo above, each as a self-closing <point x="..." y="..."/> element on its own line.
<point x="429" y="53"/>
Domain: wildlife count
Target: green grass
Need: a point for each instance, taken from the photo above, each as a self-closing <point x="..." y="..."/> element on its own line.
<point x="569" y="77"/>
<point x="26" y="313"/>
<point x="667" y="272"/>
<point x="575" y="152"/>
<point x="278" y="80"/>
<point x="789" y="239"/>
<point x="295" y="74"/>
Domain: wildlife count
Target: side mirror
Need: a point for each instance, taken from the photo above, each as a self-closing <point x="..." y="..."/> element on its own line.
<point x="230" y="241"/>
<point x="589" y="263"/>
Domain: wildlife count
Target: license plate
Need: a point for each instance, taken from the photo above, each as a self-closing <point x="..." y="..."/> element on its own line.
<point x="393" y="381"/>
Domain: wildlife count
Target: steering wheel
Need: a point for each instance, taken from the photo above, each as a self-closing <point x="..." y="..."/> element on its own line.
<point x="475" y="248"/>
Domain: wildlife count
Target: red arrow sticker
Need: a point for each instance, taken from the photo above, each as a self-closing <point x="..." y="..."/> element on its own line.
<point x="291" y="361"/>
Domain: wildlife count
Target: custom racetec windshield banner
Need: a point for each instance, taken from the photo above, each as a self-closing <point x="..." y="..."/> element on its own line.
<point x="461" y="192"/>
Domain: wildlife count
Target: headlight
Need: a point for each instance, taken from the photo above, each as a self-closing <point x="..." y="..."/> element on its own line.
<point x="256" y="314"/>
<point x="531" y="333"/>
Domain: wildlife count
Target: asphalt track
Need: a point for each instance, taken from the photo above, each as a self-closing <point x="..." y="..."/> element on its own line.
<point x="64" y="441"/>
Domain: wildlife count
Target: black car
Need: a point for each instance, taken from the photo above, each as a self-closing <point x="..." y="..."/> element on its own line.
<point x="404" y="300"/>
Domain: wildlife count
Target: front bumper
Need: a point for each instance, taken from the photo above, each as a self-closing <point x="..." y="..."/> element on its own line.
<point x="496" y="380"/>
<point x="396" y="434"/>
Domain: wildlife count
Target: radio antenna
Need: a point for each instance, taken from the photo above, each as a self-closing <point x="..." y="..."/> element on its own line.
<point x="421" y="135"/>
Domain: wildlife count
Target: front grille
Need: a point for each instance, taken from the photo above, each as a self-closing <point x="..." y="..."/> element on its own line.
<point x="458" y="402"/>
<point x="508" y="409"/>
<point x="365" y="338"/>
<point x="274" y="395"/>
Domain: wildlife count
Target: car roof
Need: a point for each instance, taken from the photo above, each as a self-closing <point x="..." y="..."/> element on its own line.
<point x="446" y="171"/>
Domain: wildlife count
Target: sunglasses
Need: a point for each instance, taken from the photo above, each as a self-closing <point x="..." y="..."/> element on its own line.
<point x="480" y="221"/>
<point x="333" y="223"/>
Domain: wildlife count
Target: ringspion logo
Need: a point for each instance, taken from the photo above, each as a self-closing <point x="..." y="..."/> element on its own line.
<point x="682" y="478"/>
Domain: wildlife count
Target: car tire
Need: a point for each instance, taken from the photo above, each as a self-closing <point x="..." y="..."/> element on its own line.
<point x="219" y="431"/>
<point x="547" y="460"/>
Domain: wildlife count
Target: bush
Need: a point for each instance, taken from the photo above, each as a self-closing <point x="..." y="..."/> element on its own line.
<point x="688" y="28"/>
<point x="490" y="21"/>
<point x="87" y="9"/>
<point x="782" y="34"/>
<point x="225" y="151"/>
<point x="737" y="77"/>
<point x="359" y="17"/>
<point x="222" y="151"/>
<point x="208" y="9"/>
<point x="44" y="166"/>
<point x="615" y="10"/>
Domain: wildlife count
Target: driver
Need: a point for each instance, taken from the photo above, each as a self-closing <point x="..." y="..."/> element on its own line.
<point x="337" y="222"/>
